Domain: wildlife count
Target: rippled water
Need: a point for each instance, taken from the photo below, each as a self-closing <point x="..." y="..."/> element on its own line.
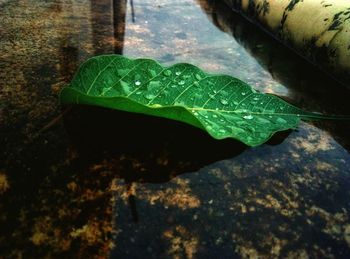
<point x="105" y="183"/>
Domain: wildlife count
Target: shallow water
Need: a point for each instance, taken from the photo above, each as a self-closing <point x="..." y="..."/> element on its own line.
<point x="95" y="182"/>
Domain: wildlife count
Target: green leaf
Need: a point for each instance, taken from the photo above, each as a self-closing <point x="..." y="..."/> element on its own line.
<point x="223" y="106"/>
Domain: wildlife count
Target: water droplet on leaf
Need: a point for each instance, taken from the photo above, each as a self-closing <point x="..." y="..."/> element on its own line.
<point x="248" y="117"/>
<point x="149" y="96"/>
<point x="137" y="82"/>
<point x="224" y="102"/>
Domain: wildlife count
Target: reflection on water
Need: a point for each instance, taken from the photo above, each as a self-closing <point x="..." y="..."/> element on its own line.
<point x="102" y="183"/>
<point x="155" y="152"/>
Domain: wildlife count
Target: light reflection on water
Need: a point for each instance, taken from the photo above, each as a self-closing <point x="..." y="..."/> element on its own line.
<point x="175" y="32"/>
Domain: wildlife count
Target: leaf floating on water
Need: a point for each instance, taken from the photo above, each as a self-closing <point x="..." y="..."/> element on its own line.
<point x="222" y="105"/>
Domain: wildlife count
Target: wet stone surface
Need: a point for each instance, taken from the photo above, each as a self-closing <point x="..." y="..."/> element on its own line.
<point x="99" y="183"/>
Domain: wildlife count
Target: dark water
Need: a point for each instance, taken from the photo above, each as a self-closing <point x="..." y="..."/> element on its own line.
<point x="99" y="183"/>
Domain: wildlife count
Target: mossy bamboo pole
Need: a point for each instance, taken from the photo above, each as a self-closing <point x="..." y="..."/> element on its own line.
<point x="319" y="30"/>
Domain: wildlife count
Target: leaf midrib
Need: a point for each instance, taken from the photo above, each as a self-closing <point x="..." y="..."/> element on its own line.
<point x="189" y="109"/>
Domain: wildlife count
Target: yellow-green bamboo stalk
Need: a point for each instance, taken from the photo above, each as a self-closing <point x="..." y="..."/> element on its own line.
<point x="318" y="30"/>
